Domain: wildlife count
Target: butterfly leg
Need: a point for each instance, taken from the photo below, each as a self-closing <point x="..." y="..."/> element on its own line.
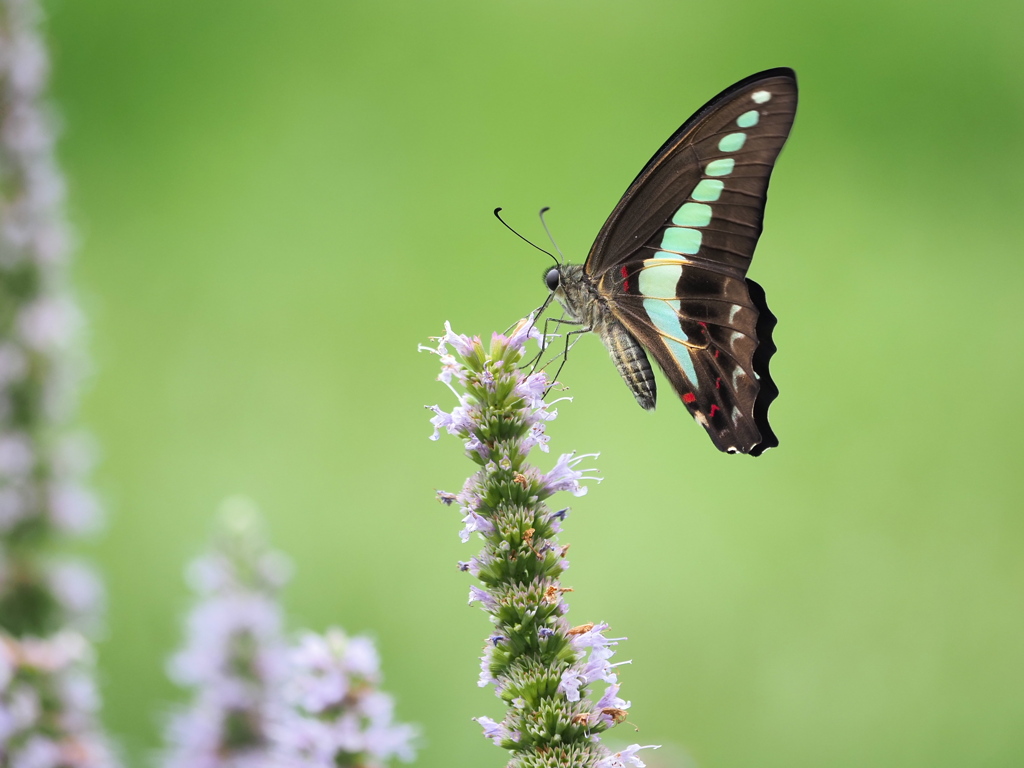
<point x="534" y="361"/>
<point x="569" y="343"/>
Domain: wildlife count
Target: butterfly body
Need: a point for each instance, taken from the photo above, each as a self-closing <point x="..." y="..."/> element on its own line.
<point x="588" y="305"/>
<point x="666" y="275"/>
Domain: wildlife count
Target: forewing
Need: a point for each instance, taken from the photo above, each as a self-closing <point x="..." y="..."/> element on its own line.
<point x="710" y="177"/>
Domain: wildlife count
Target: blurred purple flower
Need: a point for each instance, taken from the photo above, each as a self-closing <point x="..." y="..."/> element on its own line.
<point x="335" y="715"/>
<point x="49" y="704"/>
<point x="234" y="657"/>
<point x="48" y="700"/>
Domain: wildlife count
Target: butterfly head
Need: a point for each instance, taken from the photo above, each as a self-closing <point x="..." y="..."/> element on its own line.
<point x="553" y="278"/>
<point x="569" y="287"/>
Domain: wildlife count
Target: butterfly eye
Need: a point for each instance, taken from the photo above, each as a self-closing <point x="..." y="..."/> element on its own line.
<point x="552" y="278"/>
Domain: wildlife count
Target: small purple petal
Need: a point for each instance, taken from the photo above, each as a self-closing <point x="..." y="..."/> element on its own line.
<point x="496" y="732"/>
<point x="625" y="758"/>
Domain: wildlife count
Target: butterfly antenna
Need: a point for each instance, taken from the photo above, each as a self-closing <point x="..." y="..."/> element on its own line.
<point x="497" y="211"/>
<point x="544" y="210"/>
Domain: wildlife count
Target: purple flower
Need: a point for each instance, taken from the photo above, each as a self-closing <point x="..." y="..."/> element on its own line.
<point x="16" y="455"/>
<point x="485" y="598"/>
<point x="535" y="437"/>
<point x="48" y="704"/>
<point x="79" y="590"/>
<point x="496" y="732"/>
<point x="73" y="508"/>
<point x="464" y="345"/>
<point x="361" y="658"/>
<point x="49" y="323"/>
<point x="525" y="329"/>
<point x="317" y="680"/>
<point x="234" y="658"/>
<point x="611" y="699"/>
<point x="531" y="658"/>
<point x="336" y="715"/>
<point x="460" y="422"/>
<point x="565" y="477"/>
<point x="37" y="752"/>
<point x="441" y="420"/>
<point x="477" y="446"/>
<point x="486" y="677"/>
<point x="571" y="683"/>
<point x="625" y="758"/>
<point x="532" y="388"/>
<point x="48" y="698"/>
<point x="475" y="523"/>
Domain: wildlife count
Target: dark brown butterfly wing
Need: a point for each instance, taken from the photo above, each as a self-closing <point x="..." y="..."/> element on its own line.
<point x="672" y="258"/>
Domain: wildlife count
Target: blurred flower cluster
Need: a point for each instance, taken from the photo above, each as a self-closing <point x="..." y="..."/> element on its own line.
<point x="48" y="704"/>
<point x="538" y="663"/>
<point x="336" y="715"/>
<point x="48" y="698"/>
<point x="256" y="701"/>
<point x="43" y="497"/>
<point x="234" y="654"/>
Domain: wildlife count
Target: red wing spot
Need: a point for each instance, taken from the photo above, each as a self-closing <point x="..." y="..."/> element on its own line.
<point x="714" y="409"/>
<point x="703" y="325"/>
<point x="625" y="278"/>
<point x="689" y="397"/>
<point x="716" y="353"/>
<point x="718" y="383"/>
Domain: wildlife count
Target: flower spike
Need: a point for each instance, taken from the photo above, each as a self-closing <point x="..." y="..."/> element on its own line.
<point x="536" y="661"/>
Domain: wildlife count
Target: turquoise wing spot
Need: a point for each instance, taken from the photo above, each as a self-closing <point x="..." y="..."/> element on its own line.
<point x="664" y="315"/>
<point x="708" y="190"/>
<point x="660" y="280"/>
<point x="693" y="215"/>
<point x="682" y="355"/>
<point x="721" y="167"/>
<point x="681" y="240"/>
<point x="732" y="143"/>
<point x="748" y="119"/>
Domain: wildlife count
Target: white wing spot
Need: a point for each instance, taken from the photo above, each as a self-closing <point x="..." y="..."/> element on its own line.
<point x="736" y="335"/>
<point x="760" y="97"/>
<point x="736" y="377"/>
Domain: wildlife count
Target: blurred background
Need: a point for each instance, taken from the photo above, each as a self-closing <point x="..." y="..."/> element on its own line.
<point x="277" y="201"/>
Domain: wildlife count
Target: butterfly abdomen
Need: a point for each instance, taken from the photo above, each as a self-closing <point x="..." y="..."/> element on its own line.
<point x="631" y="361"/>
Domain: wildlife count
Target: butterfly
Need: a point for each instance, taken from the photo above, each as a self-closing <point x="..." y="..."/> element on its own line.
<point x="667" y="272"/>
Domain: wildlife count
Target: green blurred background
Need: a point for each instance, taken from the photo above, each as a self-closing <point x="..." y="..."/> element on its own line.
<point x="276" y="201"/>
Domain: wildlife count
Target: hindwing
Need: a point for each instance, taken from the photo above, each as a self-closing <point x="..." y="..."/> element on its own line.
<point x="711" y="334"/>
